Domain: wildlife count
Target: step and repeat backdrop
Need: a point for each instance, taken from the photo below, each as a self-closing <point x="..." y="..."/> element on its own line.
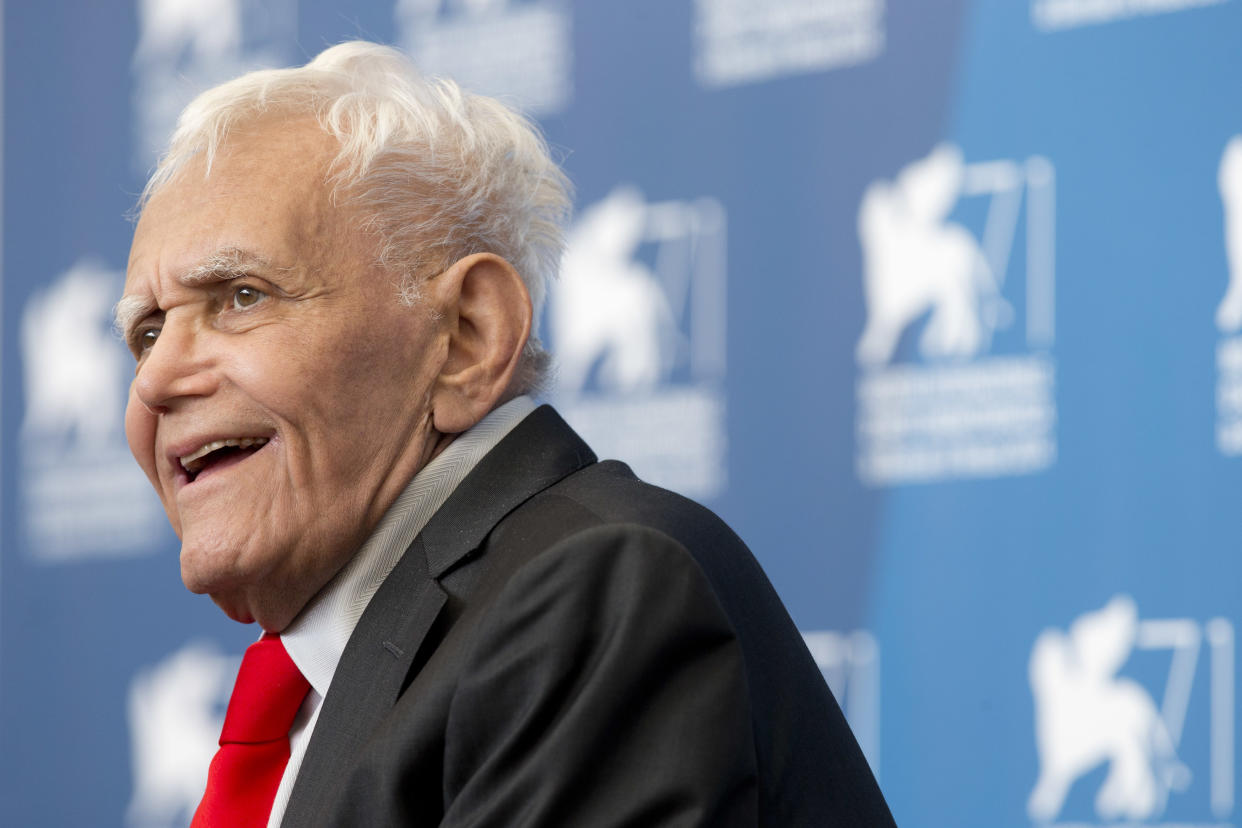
<point x="938" y="303"/>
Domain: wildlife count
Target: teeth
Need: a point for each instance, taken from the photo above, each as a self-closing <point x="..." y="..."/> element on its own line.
<point x="191" y="463"/>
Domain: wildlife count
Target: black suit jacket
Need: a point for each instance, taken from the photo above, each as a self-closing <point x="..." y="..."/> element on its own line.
<point x="564" y="645"/>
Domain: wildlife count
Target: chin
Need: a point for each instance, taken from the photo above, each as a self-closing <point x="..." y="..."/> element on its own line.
<point x="236" y="610"/>
<point x="223" y="592"/>
<point x="206" y="570"/>
<point x="242" y="589"/>
<point x="192" y="579"/>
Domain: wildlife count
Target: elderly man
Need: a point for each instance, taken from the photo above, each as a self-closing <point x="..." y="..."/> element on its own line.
<point x="467" y="620"/>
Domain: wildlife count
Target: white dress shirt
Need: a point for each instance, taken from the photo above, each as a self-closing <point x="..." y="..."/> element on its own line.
<point x="317" y="637"/>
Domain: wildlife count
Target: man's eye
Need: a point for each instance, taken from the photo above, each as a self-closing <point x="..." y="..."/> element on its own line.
<point x="245" y="297"/>
<point x="145" y="340"/>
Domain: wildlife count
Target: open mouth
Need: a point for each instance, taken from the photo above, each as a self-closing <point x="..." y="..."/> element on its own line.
<point x="220" y="453"/>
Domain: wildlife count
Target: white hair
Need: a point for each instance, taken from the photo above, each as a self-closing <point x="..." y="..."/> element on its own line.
<point x="439" y="173"/>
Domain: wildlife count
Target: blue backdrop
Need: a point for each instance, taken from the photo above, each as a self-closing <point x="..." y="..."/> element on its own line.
<point x="939" y="304"/>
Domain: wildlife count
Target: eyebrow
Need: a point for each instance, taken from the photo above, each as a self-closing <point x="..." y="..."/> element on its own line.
<point x="220" y="266"/>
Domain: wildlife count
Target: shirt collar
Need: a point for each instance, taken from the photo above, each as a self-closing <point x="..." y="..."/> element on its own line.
<point x="317" y="637"/>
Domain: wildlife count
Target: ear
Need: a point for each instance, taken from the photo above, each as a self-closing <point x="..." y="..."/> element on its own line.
<point x="487" y="318"/>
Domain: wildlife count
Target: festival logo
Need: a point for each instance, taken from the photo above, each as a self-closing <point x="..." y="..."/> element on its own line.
<point x="1089" y="715"/>
<point x="186" y="46"/>
<point x="83" y="495"/>
<point x="176" y="711"/>
<point x="959" y="409"/>
<point x="1229" y="312"/>
<point x="850" y="663"/>
<point x="1055" y="15"/>
<point x="520" y="51"/>
<point x="637" y="323"/>
<point x="748" y="41"/>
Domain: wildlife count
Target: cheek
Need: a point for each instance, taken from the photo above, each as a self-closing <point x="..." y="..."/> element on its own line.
<point x="140" y="426"/>
<point x="140" y="433"/>
<point x="357" y="388"/>
<point x="347" y="383"/>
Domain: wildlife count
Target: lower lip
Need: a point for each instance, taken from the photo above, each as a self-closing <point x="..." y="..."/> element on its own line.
<point x="221" y="466"/>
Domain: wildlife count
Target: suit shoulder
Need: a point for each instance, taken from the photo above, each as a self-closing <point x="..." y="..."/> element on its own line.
<point x="607" y="498"/>
<point x="611" y="493"/>
<point x="601" y="542"/>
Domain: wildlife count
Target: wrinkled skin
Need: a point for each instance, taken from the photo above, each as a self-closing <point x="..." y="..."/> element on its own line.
<point x="255" y="310"/>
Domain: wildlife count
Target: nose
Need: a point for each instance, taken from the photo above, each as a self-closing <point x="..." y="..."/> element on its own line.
<point x="178" y="366"/>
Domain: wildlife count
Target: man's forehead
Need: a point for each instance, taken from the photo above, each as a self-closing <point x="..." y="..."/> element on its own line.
<point x="264" y="203"/>
<point x="264" y="188"/>
<point x="273" y="155"/>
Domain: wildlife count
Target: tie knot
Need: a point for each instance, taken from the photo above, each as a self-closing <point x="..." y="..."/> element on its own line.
<point x="266" y="697"/>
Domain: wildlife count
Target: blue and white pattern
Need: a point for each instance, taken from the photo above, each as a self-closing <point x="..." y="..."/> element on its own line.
<point x="939" y="304"/>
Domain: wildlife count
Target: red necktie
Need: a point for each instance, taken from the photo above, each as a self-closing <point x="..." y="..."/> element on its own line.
<point x="254" y="744"/>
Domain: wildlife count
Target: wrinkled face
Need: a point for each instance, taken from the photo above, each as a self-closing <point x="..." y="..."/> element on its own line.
<point x="281" y="398"/>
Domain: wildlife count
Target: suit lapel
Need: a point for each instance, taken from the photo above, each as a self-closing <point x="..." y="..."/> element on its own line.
<point x="538" y="452"/>
<point x="367" y="679"/>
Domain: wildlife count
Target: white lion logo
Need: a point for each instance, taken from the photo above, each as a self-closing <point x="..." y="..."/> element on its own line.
<point x="176" y="710"/>
<point x="1085" y="715"/>
<point x="610" y="309"/>
<point x="1229" y="314"/>
<point x="74" y="366"/>
<point x="914" y="260"/>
